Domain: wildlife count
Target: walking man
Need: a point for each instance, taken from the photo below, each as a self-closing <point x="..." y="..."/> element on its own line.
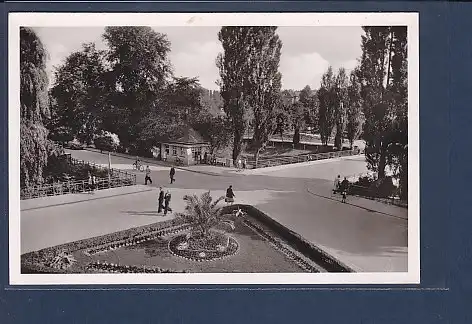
<point x="229" y="195"/>
<point x="344" y="188"/>
<point x="167" y="203"/>
<point x="148" y="176"/>
<point x="172" y="174"/>
<point x="160" y="200"/>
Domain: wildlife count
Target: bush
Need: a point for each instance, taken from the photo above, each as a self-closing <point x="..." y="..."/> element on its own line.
<point x="383" y="188"/>
<point x="105" y="143"/>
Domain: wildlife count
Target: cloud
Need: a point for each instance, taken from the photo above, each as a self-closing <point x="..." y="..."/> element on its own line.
<point x="198" y="60"/>
<point x="301" y="70"/>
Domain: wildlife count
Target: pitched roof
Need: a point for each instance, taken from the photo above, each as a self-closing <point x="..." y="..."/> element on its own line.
<point x="190" y="136"/>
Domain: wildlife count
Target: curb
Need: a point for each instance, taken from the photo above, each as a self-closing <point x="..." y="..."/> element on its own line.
<point x="319" y="256"/>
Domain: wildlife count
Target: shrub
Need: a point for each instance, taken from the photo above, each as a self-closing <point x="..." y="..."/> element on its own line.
<point x="106" y="143"/>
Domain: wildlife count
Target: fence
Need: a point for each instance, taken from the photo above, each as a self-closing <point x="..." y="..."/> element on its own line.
<point x="116" y="178"/>
<point x="307" y="157"/>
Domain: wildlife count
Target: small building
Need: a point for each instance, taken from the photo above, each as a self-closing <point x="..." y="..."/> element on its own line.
<point x="188" y="149"/>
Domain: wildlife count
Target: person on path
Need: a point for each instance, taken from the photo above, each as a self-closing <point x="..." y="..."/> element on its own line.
<point x="172" y="175"/>
<point x="94" y="183"/>
<point x="337" y="183"/>
<point x="244" y="164"/>
<point x="344" y="188"/>
<point x="239" y="164"/>
<point x="167" y="203"/>
<point x="230" y="195"/>
<point x="89" y="183"/>
<point x="160" y="200"/>
<point x="148" y="176"/>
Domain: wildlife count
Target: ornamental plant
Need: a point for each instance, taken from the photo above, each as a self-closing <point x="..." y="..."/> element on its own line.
<point x="202" y="212"/>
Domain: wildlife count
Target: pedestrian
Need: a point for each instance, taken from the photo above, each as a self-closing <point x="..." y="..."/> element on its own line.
<point x="230" y="195"/>
<point x="244" y="163"/>
<point x="205" y="157"/>
<point x="344" y="188"/>
<point x="148" y="176"/>
<point x="239" y="164"/>
<point x="89" y="183"/>
<point x="160" y="200"/>
<point x="94" y="183"/>
<point x="167" y="198"/>
<point x="172" y="175"/>
<point x="337" y="183"/>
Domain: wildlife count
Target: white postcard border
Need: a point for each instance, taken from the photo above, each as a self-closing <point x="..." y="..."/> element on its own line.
<point x="213" y="19"/>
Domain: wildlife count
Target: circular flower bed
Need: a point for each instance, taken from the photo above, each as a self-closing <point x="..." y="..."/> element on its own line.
<point x="214" y="246"/>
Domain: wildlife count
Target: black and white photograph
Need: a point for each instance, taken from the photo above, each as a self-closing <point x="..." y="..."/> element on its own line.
<point x="223" y="148"/>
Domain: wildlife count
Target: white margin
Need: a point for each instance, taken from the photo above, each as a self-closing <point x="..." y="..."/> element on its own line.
<point x="214" y="19"/>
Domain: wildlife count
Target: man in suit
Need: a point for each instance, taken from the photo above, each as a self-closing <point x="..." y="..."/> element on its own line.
<point x="160" y="200"/>
<point x="172" y="174"/>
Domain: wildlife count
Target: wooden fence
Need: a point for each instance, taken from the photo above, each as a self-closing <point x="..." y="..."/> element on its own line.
<point x="116" y="178"/>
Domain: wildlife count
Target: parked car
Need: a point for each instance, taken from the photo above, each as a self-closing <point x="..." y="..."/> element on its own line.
<point x="75" y="146"/>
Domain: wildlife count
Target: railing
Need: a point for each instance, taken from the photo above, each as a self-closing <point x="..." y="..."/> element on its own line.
<point x="366" y="192"/>
<point x="307" y="157"/>
<point x="116" y="178"/>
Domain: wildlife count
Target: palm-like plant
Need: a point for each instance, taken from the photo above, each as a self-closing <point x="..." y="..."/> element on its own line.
<point x="202" y="212"/>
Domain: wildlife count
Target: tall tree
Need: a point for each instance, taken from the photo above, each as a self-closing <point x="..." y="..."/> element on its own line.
<point x="383" y="75"/>
<point x="398" y="160"/>
<point x="263" y="83"/>
<point x="373" y="73"/>
<point x="354" y="109"/>
<point x="233" y="66"/>
<point x="34" y="109"/>
<point x="297" y="110"/>
<point x="340" y="107"/>
<point x="327" y="105"/>
<point x="79" y="94"/>
<point x="178" y="107"/>
<point x="140" y="69"/>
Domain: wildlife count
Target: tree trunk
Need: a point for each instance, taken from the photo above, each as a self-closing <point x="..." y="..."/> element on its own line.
<point x="338" y="141"/>
<point x="256" y="157"/>
<point x="237" y="146"/>
<point x="296" y="136"/>
<point x="382" y="164"/>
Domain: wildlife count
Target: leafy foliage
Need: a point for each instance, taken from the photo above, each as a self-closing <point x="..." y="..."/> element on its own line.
<point x="202" y="212"/>
<point x="354" y="108"/>
<point x="341" y="101"/>
<point x="35" y="148"/>
<point x="327" y="105"/>
<point x="383" y="75"/>
<point x="139" y="72"/>
<point x="217" y="129"/>
<point x="263" y="83"/>
<point x="79" y="95"/>
<point x="233" y="66"/>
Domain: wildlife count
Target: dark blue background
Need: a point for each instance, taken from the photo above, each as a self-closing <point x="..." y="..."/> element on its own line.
<point x="445" y="293"/>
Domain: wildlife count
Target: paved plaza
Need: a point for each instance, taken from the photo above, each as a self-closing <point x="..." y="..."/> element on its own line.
<point x="367" y="235"/>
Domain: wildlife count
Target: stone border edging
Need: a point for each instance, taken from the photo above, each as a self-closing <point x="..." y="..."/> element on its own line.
<point x="320" y="257"/>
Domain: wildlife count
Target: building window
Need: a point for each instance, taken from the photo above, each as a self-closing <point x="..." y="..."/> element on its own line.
<point x="182" y="151"/>
<point x="174" y="150"/>
<point x="167" y="149"/>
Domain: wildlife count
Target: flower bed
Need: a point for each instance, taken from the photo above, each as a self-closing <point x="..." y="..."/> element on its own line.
<point x="41" y="261"/>
<point x="214" y="247"/>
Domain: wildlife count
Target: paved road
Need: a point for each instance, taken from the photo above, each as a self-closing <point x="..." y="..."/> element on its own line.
<point x="367" y="235"/>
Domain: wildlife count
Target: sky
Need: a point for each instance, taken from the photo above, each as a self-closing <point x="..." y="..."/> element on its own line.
<point x="306" y="54"/>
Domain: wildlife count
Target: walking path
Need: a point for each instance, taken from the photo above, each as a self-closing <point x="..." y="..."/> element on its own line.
<point x="366" y="235"/>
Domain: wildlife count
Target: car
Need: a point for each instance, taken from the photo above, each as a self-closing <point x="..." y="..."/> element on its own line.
<point x="75" y="146"/>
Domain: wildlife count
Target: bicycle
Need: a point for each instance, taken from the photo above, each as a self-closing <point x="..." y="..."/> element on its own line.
<point x="138" y="166"/>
